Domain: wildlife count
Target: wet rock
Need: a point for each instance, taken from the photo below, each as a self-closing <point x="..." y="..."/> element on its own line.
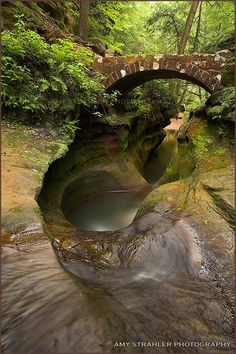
<point x="200" y="111"/>
<point x="105" y="292"/>
<point x="182" y="136"/>
<point x="228" y="43"/>
<point x="220" y="187"/>
<point x="228" y="75"/>
<point x="222" y="105"/>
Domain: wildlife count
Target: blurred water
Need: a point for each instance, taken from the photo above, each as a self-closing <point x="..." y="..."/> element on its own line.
<point x="143" y="283"/>
<point x="106" y="211"/>
<point x="113" y="210"/>
<point x="160" y="158"/>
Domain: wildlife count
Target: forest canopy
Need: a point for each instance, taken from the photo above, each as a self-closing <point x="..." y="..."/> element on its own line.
<point x="130" y="27"/>
<point x="49" y="46"/>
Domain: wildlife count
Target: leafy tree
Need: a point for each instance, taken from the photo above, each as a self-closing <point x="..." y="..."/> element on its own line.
<point x="188" y="26"/>
<point x="43" y="82"/>
<point x="167" y="21"/>
<point x="83" y="20"/>
<point x="153" y="100"/>
<point x="106" y="21"/>
<point x="218" y="24"/>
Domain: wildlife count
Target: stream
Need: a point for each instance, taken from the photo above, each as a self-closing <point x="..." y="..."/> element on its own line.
<point x="160" y="158"/>
<point x="115" y="209"/>
<point x="133" y="287"/>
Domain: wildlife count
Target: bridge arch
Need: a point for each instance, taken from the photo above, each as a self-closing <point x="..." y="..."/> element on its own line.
<point x="125" y="73"/>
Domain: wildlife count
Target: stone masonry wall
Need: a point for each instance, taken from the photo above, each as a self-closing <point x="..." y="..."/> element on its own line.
<point x="205" y="68"/>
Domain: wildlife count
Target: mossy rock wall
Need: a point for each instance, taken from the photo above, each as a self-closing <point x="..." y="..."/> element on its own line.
<point x="52" y="19"/>
<point x="99" y="155"/>
<point x="221" y="106"/>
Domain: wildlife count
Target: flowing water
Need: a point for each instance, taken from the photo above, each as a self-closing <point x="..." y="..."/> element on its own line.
<point x="141" y="284"/>
<point x="115" y="209"/>
<point x="160" y="158"/>
<point x="106" y="211"/>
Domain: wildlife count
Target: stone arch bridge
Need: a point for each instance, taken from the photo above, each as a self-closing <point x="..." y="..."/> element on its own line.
<point x="125" y="73"/>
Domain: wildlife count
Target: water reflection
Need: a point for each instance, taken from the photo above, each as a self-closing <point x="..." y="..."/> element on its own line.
<point x="106" y="211"/>
<point x="160" y="158"/>
<point x="109" y="209"/>
<point x="140" y="284"/>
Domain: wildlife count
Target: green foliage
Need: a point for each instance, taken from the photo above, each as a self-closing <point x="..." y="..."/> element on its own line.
<point x="153" y="99"/>
<point x="201" y="140"/>
<point x="135" y="37"/>
<point x="218" y="24"/>
<point x="69" y="128"/>
<point x="220" y="131"/>
<point x="167" y="20"/>
<point x="48" y="82"/>
<point x="205" y="221"/>
<point x="219" y="151"/>
<point x="62" y="150"/>
<point x="120" y="26"/>
<point x="43" y="82"/>
<point x="201" y="144"/>
<point x="113" y="119"/>
<point x="143" y="110"/>
<point x="105" y="21"/>
<point x="228" y="103"/>
<point x="130" y="27"/>
<point x="222" y="105"/>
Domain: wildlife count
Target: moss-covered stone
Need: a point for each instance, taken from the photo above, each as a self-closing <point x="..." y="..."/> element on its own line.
<point x="182" y="137"/>
<point x="215" y="112"/>
<point x="221" y="105"/>
<point x="27" y="153"/>
<point x="226" y="94"/>
<point x="228" y="75"/>
<point x="52" y="19"/>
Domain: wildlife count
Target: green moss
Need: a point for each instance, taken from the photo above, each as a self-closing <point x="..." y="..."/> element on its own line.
<point x="215" y="112"/>
<point x="222" y="105"/>
<point x="62" y="150"/>
<point x="229" y="74"/>
<point x="17" y="209"/>
<point x="219" y="151"/>
<point x="149" y="204"/>
<point x="201" y="139"/>
<point x="37" y="153"/>
<point x="226" y="94"/>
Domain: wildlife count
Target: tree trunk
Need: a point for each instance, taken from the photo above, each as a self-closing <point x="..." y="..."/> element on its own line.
<point x="196" y="40"/>
<point x="195" y="46"/>
<point x="188" y="26"/>
<point x="200" y="93"/>
<point x="83" y="19"/>
<point x="185" y="35"/>
<point x="183" y="94"/>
